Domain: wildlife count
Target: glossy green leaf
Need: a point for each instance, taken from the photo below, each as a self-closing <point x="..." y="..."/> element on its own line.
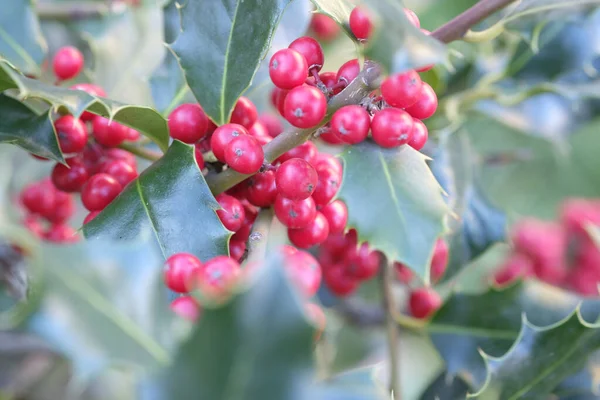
<point x="356" y="384"/>
<point x="21" y="40"/>
<point x="171" y="199"/>
<point x="21" y="126"/>
<point x="394" y="202"/>
<point x="144" y="119"/>
<point x="220" y="47"/>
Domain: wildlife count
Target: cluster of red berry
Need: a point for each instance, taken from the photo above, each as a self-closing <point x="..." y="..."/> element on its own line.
<point x="562" y="253"/>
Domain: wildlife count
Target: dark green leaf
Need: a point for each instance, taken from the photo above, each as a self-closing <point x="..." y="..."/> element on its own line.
<point x="358" y="384"/>
<point x="23" y="127"/>
<point x="394" y="202"/>
<point x="581" y="386"/>
<point x="220" y="47"/>
<point x="146" y="120"/>
<point x="170" y="198"/>
<point x="446" y="387"/>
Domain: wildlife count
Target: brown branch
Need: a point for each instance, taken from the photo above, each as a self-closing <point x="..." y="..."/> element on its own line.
<point x="73" y="10"/>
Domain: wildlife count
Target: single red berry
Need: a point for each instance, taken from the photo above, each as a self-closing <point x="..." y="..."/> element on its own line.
<point x="313" y="234"/>
<point x="336" y="244"/>
<point x="330" y="138"/>
<point x="351" y="124"/>
<point x="427" y="104"/>
<point x="305" y="107"/>
<point x="217" y="275"/>
<point x="576" y="214"/>
<point x="67" y="63"/>
<point x="63" y="210"/>
<point x="61" y="233"/>
<point x="99" y="191"/>
<point x="222" y="136"/>
<point x="244" y="154"/>
<point x="296" y="179"/>
<point x="288" y="69"/>
<point x="186" y="307"/>
<point x="237" y="249"/>
<point x="109" y="133"/>
<point x="133" y="134"/>
<point x="250" y="214"/>
<point x="360" y="23"/>
<point x="329" y="79"/>
<point x="328" y="160"/>
<point x="92" y="89"/>
<point x="72" y="134"/>
<point x="70" y="177"/>
<point x="188" y="123"/>
<point x="402" y="90"/>
<point x="518" y="265"/>
<point x="362" y="262"/>
<point x="426" y="67"/>
<point x="304" y="271"/>
<point x="338" y="281"/>
<point x="231" y="213"/>
<point x="295" y="214"/>
<point x="312" y="52"/>
<point x="120" y="170"/>
<point x="120" y="154"/>
<point x="179" y="269"/>
<point x="259" y="132"/>
<point x="348" y="72"/>
<point x="262" y="189"/>
<point x="88" y="218"/>
<point x="324" y="28"/>
<point x="278" y="99"/>
<point x="306" y="151"/>
<point x="39" y="197"/>
<point x="391" y="127"/>
<point x="423" y="302"/>
<point x="328" y="184"/>
<point x="439" y="261"/>
<point x="244" y="113"/>
<point x="585" y="281"/>
<point x="272" y="123"/>
<point x="198" y="155"/>
<point x="412" y="17"/>
<point x="34" y="225"/>
<point x="336" y="214"/>
<point x="403" y="273"/>
<point x="419" y="135"/>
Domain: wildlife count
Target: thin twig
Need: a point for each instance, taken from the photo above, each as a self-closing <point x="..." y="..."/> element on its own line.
<point x="142" y="152"/>
<point x="74" y="10"/>
<point x="391" y="329"/>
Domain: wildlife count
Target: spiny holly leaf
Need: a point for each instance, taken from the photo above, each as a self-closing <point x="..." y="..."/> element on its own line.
<point x="583" y="385"/>
<point x="144" y="119"/>
<point x="21" y="126"/>
<point x="394" y="202"/>
<point x="338" y="10"/>
<point x="170" y="198"/>
<point x="220" y="47"/>
<point x="21" y="39"/>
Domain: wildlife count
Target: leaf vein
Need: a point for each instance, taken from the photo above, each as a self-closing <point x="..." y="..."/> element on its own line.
<point x="152" y="223"/>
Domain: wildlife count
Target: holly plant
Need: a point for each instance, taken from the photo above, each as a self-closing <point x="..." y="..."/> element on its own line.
<point x="299" y="199"/>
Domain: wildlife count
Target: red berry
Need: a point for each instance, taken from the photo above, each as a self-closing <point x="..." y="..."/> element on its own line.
<point x="109" y="133"/>
<point x="186" y="307"/>
<point x="133" y="135"/>
<point x="217" y="275"/>
<point x="88" y="218"/>
<point x="402" y="90"/>
<point x="351" y="124"/>
<point x="305" y="107"/>
<point x="331" y="138"/>
<point x="335" y="245"/>
<point x="39" y="197"/>
<point x="67" y="63"/>
<point x="313" y="234"/>
<point x="72" y="134"/>
<point x="348" y="72"/>
<point x="188" y="123"/>
<point x="412" y="17"/>
<point x="179" y="269"/>
<point x="70" y="178"/>
<point x="518" y="265"/>
<point x="426" y="105"/>
<point x="296" y="179"/>
<point x="403" y="273"/>
<point x="99" y="191"/>
<point x="585" y="281"/>
<point x="120" y="154"/>
<point x="237" y="249"/>
<point x="278" y="99"/>
<point x="362" y="263"/>
<point x="120" y="170"/>
<point x="328" y="184"/>
<point x="231" y="213"/>
<point x="306" y="151"/>
<point x="577" y="214"/>
<point x="439" y="261"/>
<point x="324" y="28"/>
<point x="272" y="123"/>
<point x="391" y="127"/>
<point x="327" y="160"/>
<point x="419" y="135"/>
<point x="305" y="272"/>
<point x="338" y="281"/>
<point x="360" y="23"/>
<point x="222" y="136"/>
<point x="312" y="52"/>
<point x="295" y="214"/>
<point x="198" y="155"/>
<point x="262" y="189"/>
<point x="244" y="113"/>
<point x="61" y="233"/>
<point x="259" y="132"/>
<point x="244" y="154"/>
<point x="329" y="79"/>
<point x="336" y="214"/>
<point x="34" y="225"/>
<point x="242" y="235"/>
<point x="423" y="302"/>
<point x="63" y="209"/>
<point x="288" y="69"/>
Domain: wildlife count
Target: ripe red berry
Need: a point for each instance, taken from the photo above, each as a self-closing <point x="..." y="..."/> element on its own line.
<point x="426" y="105"/>
<point x="391" y="127"/>
<point x="348" y="71"/>
<point x="67" y="63"/>
<point x="186" y="307"/>
<point x="313" y="234"/>
<point x="39" y="197"/>
<point x="336" y="214"/>
<point x="412" y="17"/>
<point x="90" y="216"/>
<point x="231" y="213"/>
<point x="179" y="269"/>
<point x="338" y="281"/>
<point x="351" y="124"/>
<point x="120" y="170"/>
<point x="327" y="160"/>
<point x="330" y="138"/>
<point x="34" y="225"/>
<point x="237" y="249"/>
<point x="278" y="99"/>
<point x="198" y="154"/>
<point x="109" y="133"/>
<point x="328" y="184"/>
<point x="329" y="79"/>
<point x="272" y="123"/>
<point x="188" y="123"/>
<point x="439" y="261"/>
<point x="288" y="69"/>
<point x="306" y="151"/>
<point x="362" y="262"/>
<point x="304" y="271"/>
<point x="296" y="179"/>
<point x="305" y="107"/>
<point x="72" y="134"/>
<point x="518" y="265"/>
<point x="244" y="113"/>
<point x="259" y="132"/>
<point x="99" y="191"/>
<point x="61" y="233"/>
<point x="402" y="90"/>
<point x="244" y="154"/>
<point x="423" y="302"/>
<point x="576" y="214"/>
<point x="250" y="214"/>
<point x="360" y="23"/>
<point x="262" y="189"/>
<point x="419" y="135"/>
<point x="70" y="178"/>
<point x="222" y="136"/>
<point x="403" y="273"/>
<point x="295" y="214"/>
<point x="63" y="209"/>
<point x="324" y="28"/>
<point x="312" y="52"/>
<point x="217" y="275"/>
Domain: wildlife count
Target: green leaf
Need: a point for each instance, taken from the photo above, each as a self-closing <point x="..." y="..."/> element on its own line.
<point x="394" y="202"/>
<point x="357" y="384"/>
<point x="338" y="10"/>
<point x="220" y="47"/>
<point x="446" y="387"/>
<point x="21" y="39"/>
<point x="23" y="127"/>
<point x="144" y="119"/>
<point x="170" y="198"/>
